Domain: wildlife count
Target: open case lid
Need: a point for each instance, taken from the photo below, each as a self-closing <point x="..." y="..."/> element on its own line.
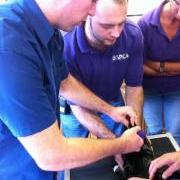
<point x="163" y="143"/>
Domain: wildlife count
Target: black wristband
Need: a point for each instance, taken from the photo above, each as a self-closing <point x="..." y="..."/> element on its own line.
<point x="161" y="67"/>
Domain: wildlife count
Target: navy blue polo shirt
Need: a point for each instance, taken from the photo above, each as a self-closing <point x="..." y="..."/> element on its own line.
<point x="104" y="72"/>
<point x="31" y="68"/>
<point x="159" y="48"/>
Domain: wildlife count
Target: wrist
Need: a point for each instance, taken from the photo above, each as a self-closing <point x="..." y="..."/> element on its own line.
<point x="107" y="135"/>
<point x="118" y="146"/>
<point x="109" y="111"/>
<point x="162" y="67"/>
<point x="122" y="145"/>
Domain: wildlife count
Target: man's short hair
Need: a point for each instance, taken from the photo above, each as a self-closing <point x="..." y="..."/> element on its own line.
<point x="120" y="1"/>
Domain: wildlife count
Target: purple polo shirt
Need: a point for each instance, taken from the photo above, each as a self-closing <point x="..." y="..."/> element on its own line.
<point x="104" y="72"/>
<point x="159" y="47"/>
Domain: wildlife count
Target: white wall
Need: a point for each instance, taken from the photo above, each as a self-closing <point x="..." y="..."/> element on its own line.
<point x="139" y="7"/>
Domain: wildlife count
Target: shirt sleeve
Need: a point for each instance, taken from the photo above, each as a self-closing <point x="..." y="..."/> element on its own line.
<point x="25" y="107"/>
<point x="134" y="74"/>
<point x="143" y="27"/>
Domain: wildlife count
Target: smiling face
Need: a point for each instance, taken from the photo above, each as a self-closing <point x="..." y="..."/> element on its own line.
<point x="108" y="22"/>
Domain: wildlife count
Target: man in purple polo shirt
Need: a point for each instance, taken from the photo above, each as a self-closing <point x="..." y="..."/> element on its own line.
<point x="32" y="70"/>
<point x="161" y="83"/>
<point x="101" y="53"/>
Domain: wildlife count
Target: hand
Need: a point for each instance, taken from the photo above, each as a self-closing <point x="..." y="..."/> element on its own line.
<point x="153" y="65"/>
<point x="131" y="141"/>
<point x="119" y="114"/>
<point x="119" y="160"/>
<point x="170" y="159"/>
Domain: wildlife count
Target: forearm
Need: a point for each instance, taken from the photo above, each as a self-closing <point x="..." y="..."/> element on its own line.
<point x="149" y="71"/>
<point x="53" y="152"/>
<point x="172" y="67"/>
<point x="86" y="151"/>
<point x="168" y="66"/>
<point x="152" y="68"/>
<point x="135" y="98"/>
<point x="76" y="92"/>
<point x="82" y="152"/>
<point x="92" y="122"/>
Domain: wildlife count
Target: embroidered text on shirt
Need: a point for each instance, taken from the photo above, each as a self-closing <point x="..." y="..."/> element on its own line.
<point x="120" y="57"/>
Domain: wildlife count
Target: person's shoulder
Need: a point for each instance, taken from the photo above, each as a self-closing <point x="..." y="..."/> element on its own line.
<point x="13" y="28"/>
<point x="146" y="19"/>
<point x="10" y="16"/>
<point x="70" y="37"/>
<point x="70" y="41"/>
<point x="131" y="28"/>
<point x="74" y="40"/>
<point x="132" y="35"/>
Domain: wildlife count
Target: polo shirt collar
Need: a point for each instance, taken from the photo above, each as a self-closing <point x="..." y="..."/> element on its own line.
<point x="37" y="20"/>
<point x="155" y="18"/>
<point x="82" y="40"/>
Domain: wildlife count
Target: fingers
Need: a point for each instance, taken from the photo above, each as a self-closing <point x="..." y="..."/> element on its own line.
<point x="140" y="141"/>
<point x="153" y="168"/>
<point x="152" y="172"/>
<point x="125" y="122"/>
<point x="119" y="114"/>
<point x="119" y="160"/>
<point x="132" y="141"/>
<point x="136" y="129"/>
<point x="130" y="116"/>
<point x="133" y="119"/>
<point x="156" y="164"/>
<point x="171" y="160"/>
<point x="169" y="171"/>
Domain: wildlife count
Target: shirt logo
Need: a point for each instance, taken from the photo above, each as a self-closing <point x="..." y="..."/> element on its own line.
<point x="120" y="57"/>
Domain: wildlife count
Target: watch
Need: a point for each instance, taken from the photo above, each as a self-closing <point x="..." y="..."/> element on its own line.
<point x="162" y="67"/>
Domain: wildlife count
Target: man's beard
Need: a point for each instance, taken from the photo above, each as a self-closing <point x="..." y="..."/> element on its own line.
<point x="98" y="40"/>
